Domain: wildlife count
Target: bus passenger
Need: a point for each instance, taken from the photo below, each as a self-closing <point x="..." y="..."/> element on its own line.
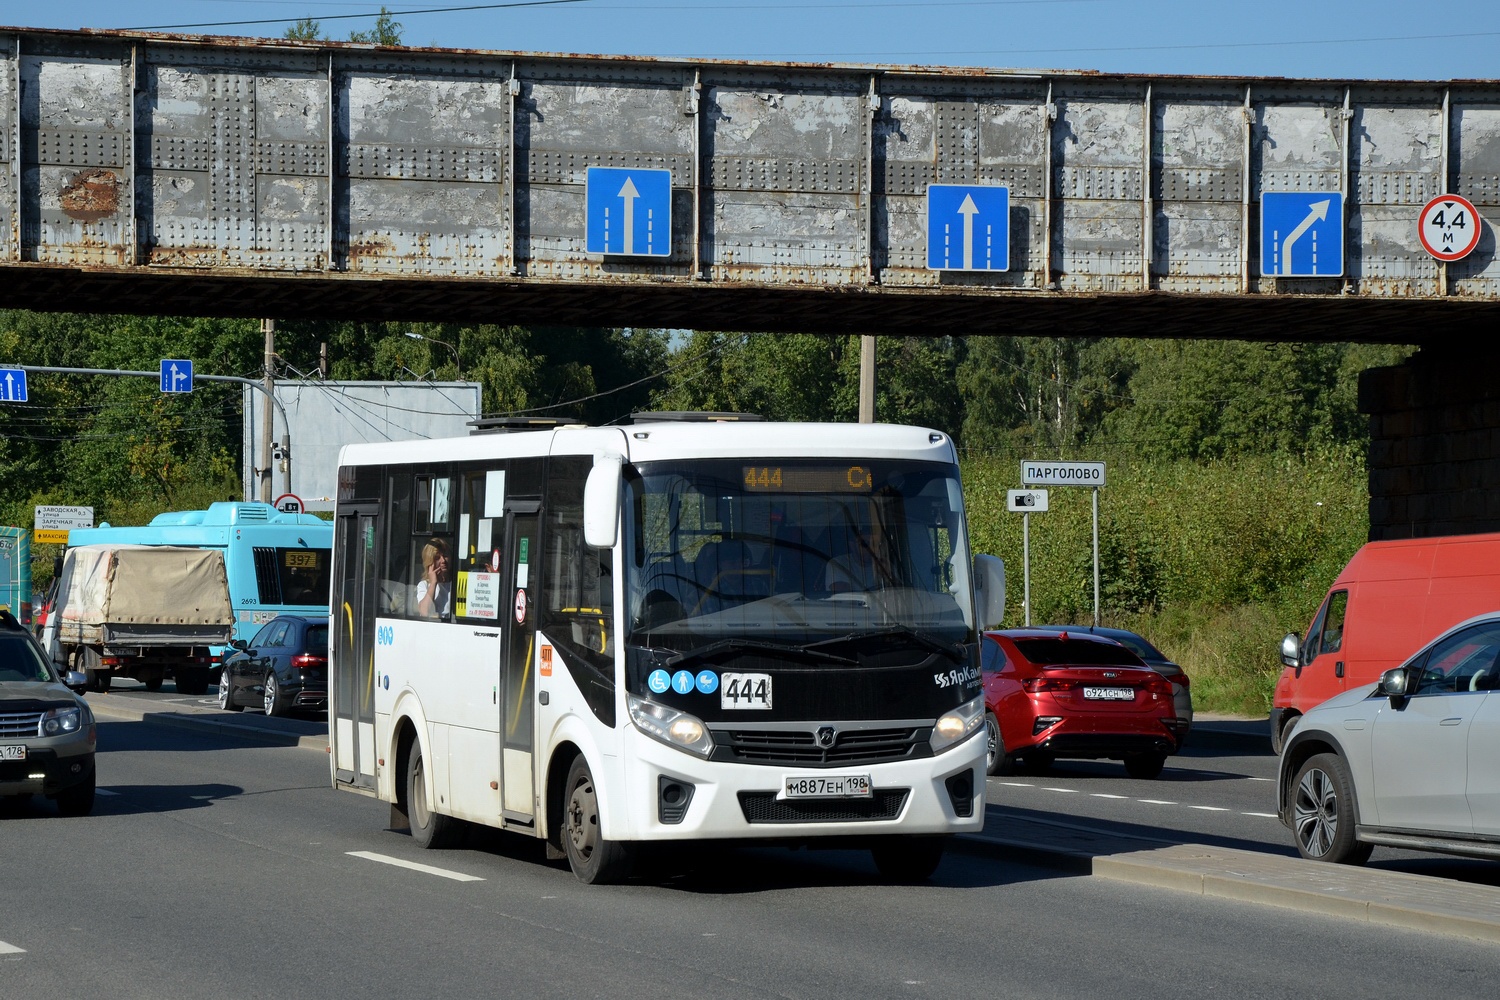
<point x="435" y="589"/>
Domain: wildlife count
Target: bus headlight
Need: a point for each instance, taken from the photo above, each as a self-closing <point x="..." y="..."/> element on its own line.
<point x="957" y="725"/>
<point x="674" y="728"/>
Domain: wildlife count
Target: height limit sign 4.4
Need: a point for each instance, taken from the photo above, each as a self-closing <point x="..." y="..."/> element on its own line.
<point x="1450" y="227"/>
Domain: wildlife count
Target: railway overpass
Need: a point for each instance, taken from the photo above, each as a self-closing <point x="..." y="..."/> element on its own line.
<point x="178" y="174"/>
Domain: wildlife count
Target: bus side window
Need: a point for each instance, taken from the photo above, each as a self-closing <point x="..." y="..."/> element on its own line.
<point x="579" y="580"/>
<point x="396" y="575"/>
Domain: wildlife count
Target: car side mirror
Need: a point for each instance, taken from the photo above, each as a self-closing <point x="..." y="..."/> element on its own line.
<point x="1396" y="685"/>
<point x="76" y="681"/>
<point x="239" y="644"/>
<point x="1291" y="649"/>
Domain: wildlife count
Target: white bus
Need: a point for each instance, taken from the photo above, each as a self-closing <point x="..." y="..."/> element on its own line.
<point x="676" y="629"/>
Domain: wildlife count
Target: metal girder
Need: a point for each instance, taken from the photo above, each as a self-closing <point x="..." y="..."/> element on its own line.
<point x="154" y="173"/>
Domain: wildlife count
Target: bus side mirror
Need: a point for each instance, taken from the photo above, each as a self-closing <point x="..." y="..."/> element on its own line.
<point x="1291" y="649"/>
<point x="601" y="502"/>
<point x="989" y="590"/>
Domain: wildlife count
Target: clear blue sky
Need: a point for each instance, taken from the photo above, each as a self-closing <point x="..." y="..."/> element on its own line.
<point x="1345" y="39"/>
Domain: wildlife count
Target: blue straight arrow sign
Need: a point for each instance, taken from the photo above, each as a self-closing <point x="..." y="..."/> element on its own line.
<point x="13" y="385"/>
<point x="628" y="212"/>
<point x="176" y="375"/>
<point x="968" y="227"/>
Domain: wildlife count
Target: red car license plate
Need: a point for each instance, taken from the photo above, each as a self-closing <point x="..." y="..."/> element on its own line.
<point x="1109" y="694"/>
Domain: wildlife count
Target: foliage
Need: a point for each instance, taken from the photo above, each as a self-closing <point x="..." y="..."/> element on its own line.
<point x="305" y="30"/>
<point x="387" y="31"/>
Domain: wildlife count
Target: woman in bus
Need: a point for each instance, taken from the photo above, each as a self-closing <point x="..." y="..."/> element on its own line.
<point x="435" y="589"/>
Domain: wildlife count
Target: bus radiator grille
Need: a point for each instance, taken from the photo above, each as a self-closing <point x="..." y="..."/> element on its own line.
<point x="800" y="749"/>
<point x="764" y="807"/>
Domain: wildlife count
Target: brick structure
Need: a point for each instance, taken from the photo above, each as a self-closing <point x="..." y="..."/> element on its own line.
<point x="1434" y="444"/>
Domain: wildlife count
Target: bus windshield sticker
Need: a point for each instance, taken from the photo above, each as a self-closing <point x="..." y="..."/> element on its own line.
<point x="484" y="595"/>
<point x="494" y="493"/>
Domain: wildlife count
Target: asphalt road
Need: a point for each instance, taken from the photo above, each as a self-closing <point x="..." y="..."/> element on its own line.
<point x="219" y="866"/>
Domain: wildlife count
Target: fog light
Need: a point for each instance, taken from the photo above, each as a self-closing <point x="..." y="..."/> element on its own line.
<point x="672" y="798"/>
<point x="961" y="793"/>
<point x="1044" y="722"/>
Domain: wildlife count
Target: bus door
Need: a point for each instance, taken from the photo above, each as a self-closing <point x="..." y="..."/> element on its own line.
<point x="353" y="695"/>
<point x="523" y="578"/>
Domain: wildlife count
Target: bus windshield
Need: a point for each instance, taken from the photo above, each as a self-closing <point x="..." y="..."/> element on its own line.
<point x="795" y="551"/>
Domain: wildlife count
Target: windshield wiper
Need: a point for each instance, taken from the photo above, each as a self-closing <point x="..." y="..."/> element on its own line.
<point x="716" y="650"/>
<point x="954" y="651"/>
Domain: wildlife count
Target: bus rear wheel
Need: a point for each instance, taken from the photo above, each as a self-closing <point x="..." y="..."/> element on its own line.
<point x="594" y="859"/>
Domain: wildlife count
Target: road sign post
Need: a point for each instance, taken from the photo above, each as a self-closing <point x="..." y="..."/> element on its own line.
<point x="1090" y="474"/>
<point x="628" y="212"/>
<point x="1026" y="501"/>
<point x="968" y="227"/>
<point x="1302" y="234"/>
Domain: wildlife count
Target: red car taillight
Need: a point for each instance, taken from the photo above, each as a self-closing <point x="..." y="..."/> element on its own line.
<point x="304" y="661"/>
<point x="1157" y="684"/>
<point x="1037" y="684"/>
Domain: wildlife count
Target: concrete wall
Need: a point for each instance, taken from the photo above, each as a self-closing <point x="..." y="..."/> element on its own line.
<point x="1434" y="443"/>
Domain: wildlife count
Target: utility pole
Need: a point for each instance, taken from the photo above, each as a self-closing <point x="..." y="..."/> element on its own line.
<point x="866" y="379"/>
<point x="268" y="423"/>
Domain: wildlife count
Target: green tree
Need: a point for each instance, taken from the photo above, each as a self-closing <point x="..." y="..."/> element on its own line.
<point x="305" y="30"/>
<point x="387" y="31"/>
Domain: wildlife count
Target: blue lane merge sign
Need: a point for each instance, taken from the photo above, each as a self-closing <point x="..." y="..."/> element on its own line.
<point x="628" y="211"/>
<point x="176" y="375"/>
<point x="968" y="227"/>
<point x="13" y="385"/>
<point x="1302" y="234"/>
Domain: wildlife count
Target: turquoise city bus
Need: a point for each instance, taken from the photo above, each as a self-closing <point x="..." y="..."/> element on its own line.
<point x="15" y="573"/>
<point x="276" y="563"/>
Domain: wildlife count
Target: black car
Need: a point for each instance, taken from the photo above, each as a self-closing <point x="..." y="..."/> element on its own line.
<point x="47" y="733"/>
<point x="284" y="667"/>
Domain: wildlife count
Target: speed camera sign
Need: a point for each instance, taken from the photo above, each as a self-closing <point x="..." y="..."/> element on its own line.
<point x="1450" y="227"/>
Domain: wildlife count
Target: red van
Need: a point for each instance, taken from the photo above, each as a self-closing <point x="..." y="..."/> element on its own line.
<point x="1391" y="599"/>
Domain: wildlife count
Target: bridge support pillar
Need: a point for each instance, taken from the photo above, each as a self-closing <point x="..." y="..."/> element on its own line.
<point x="1434" y="443"/>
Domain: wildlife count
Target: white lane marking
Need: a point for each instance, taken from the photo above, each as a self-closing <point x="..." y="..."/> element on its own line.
<point x="1156" y="802"/>
<point x="1106" y="795"/>
<point x="104" y="791"/>
<point x="10" y="949"/>
<point x="1260" y="779"/>
<point x="427" y="869"/>
<point x="1265" y="815"/>
<point x="1017" y="784"/>
<point x="1073" y="791"/>
<point x="1212" y="809"/>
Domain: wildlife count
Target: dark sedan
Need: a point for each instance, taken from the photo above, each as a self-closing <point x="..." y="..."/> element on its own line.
<point x="284" y="667"/>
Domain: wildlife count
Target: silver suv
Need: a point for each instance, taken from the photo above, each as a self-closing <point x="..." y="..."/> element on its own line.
<point x="1408" y="762"/>
<point x="47" y="733"/>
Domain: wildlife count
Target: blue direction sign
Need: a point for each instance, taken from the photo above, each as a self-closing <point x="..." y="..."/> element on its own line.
<point x="13" y="385"/>
<point x="629" y="212"/>
<point x="176" y="375"/>
<point x="1302" y="234"/>
<point x="968" y="227"/>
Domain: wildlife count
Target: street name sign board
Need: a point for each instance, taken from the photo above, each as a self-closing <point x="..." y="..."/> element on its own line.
<point x="13" y="385"/>
<point x="968" y="227"/>
<point x="1035" y="473"/>
<point x="63" y="517"/>
<point x="1302" y="234"/>
<point x="1026" y="501"/>
<point x="176" y="375"/>
<point x="1450" y="227"/>
<point x="628" y="212"/>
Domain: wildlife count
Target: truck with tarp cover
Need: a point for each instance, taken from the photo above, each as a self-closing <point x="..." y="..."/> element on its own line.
<point x="140" y="611"/>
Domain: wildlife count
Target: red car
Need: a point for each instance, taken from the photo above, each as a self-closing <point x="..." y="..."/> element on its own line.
<point x="1052" y="693"/>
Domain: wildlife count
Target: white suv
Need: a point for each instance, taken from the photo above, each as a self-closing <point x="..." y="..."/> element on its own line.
<point x="47" y="733"/>
<point x="1410" y="762"/>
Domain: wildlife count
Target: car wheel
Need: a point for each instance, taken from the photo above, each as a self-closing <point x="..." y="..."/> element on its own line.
<point x="226" y="693"/>
<point x="1323" y="812"/>
<point x="273" y="705"/>
<point x="78" y="800"/>
<point x="152" y="683"/>
<point x="593" y="858"/>
<point x="996" y="760"/>
<point x="430" y="830"/>
<point x="1145" y="765"/>
<point x="908" y="859"/>
<point x="1278" y="732"/>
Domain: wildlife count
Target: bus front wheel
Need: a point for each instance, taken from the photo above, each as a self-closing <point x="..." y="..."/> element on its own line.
<point x="594" y="859"/>
<point x="431" y="830"/>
